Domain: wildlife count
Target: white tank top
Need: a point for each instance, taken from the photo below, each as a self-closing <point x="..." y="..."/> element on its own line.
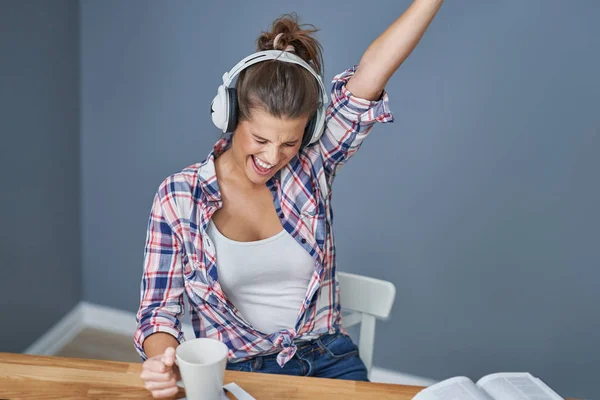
<point x="266" y="280"/>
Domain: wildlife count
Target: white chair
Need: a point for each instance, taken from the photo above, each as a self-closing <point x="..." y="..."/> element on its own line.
<point x="367" y="299"/>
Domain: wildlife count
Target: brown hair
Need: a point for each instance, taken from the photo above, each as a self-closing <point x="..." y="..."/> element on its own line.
<point x="282" y="89"/>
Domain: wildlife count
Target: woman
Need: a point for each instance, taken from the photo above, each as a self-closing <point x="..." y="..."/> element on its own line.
<point x="246" y="234"/>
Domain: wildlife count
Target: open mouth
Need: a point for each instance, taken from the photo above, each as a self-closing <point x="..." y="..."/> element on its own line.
<point x="261" y="167"/>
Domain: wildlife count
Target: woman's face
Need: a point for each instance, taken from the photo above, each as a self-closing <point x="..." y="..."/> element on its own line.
<point x="264" y="144"/>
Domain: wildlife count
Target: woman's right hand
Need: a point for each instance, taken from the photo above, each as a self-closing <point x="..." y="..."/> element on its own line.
<point x="160" y="374"/>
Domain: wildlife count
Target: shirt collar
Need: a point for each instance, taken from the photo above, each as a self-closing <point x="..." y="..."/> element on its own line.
<point x="207" y="173"/>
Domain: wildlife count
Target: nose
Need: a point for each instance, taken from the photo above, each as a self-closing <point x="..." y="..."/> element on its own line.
<point x="272" y="155"/>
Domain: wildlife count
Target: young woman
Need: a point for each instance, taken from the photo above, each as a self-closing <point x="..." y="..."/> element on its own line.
<point x="246" y="234"/>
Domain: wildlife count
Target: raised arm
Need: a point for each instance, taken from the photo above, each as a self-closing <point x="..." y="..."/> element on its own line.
<point x="358" y="98"/>
<point x="383" y="57"/>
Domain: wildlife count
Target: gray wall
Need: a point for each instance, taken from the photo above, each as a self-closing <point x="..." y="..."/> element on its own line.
<point x="479" y="203"/>
<point x="39" y="168"/>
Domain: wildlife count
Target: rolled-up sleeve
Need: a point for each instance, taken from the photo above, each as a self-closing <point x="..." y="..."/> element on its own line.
<point x="162" y="286"/>
<point x="349" y="120"/>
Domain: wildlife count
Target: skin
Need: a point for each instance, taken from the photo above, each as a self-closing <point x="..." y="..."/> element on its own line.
<point x="248" y="213"/>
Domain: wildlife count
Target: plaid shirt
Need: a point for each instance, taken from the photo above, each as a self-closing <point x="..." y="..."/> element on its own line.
<point x="180" y="257"/>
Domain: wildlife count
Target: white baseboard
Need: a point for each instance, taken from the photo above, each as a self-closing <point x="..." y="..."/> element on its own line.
<point x="88" y="315"/>
<point x="60" y="334"/>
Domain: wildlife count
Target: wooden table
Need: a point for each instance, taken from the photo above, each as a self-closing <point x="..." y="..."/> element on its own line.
<point x="39" y="377"/>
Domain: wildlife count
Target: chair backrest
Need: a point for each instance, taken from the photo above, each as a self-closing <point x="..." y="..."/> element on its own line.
<point x="367" y="299"/>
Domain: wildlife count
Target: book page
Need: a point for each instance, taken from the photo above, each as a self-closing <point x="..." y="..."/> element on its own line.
<point x="458" y="388"/>
<point x="516" y="386"/>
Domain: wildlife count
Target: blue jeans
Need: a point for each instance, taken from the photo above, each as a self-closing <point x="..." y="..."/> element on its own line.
<point x="330" y="356"/>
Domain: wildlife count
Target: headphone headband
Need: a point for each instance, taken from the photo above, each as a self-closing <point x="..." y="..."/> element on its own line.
<point x="279" y="55"/>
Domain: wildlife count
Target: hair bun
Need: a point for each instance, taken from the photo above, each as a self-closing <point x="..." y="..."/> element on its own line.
<point x="287" y="34"/>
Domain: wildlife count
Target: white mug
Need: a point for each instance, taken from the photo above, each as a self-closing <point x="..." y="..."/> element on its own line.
<point x="202" y="364"/>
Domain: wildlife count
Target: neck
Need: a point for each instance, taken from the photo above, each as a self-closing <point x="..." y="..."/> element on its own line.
<point x="230" y="171"/>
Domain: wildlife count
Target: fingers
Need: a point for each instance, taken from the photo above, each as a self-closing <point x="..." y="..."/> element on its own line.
<point x="169" y="357"/>
<point x="160" y="374"/>
<point x="155" y="365"/>
<point x="161" y="385"/>
<point x="151" y="376"/>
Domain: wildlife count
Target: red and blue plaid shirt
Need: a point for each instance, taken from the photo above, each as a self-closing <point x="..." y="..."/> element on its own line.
<point x="180" y="257"/>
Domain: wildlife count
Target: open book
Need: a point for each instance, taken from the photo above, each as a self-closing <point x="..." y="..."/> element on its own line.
<point x="501" y="386"/>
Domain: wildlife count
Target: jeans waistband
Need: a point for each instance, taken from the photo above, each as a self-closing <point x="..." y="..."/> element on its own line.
<point x="302" y="345"/>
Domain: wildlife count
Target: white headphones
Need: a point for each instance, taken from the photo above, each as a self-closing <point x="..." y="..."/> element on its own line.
<point x="223" y="108"/>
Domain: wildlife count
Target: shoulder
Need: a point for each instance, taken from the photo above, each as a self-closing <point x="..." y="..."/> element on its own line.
<point x="180" y="183"/>
<point x="178" y="195"/>
<point x="194" y="184"/>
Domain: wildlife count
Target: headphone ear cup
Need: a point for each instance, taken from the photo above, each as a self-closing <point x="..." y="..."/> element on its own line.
<point x="309" y="131"/>
<point x="218" y="111"/>
<point x="233" y="109"/>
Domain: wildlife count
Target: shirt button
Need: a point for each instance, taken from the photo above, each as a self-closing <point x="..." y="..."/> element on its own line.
<point x="281" y="215"/>
<point x="303" y="240"/>
<point x="274" y="188"/>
